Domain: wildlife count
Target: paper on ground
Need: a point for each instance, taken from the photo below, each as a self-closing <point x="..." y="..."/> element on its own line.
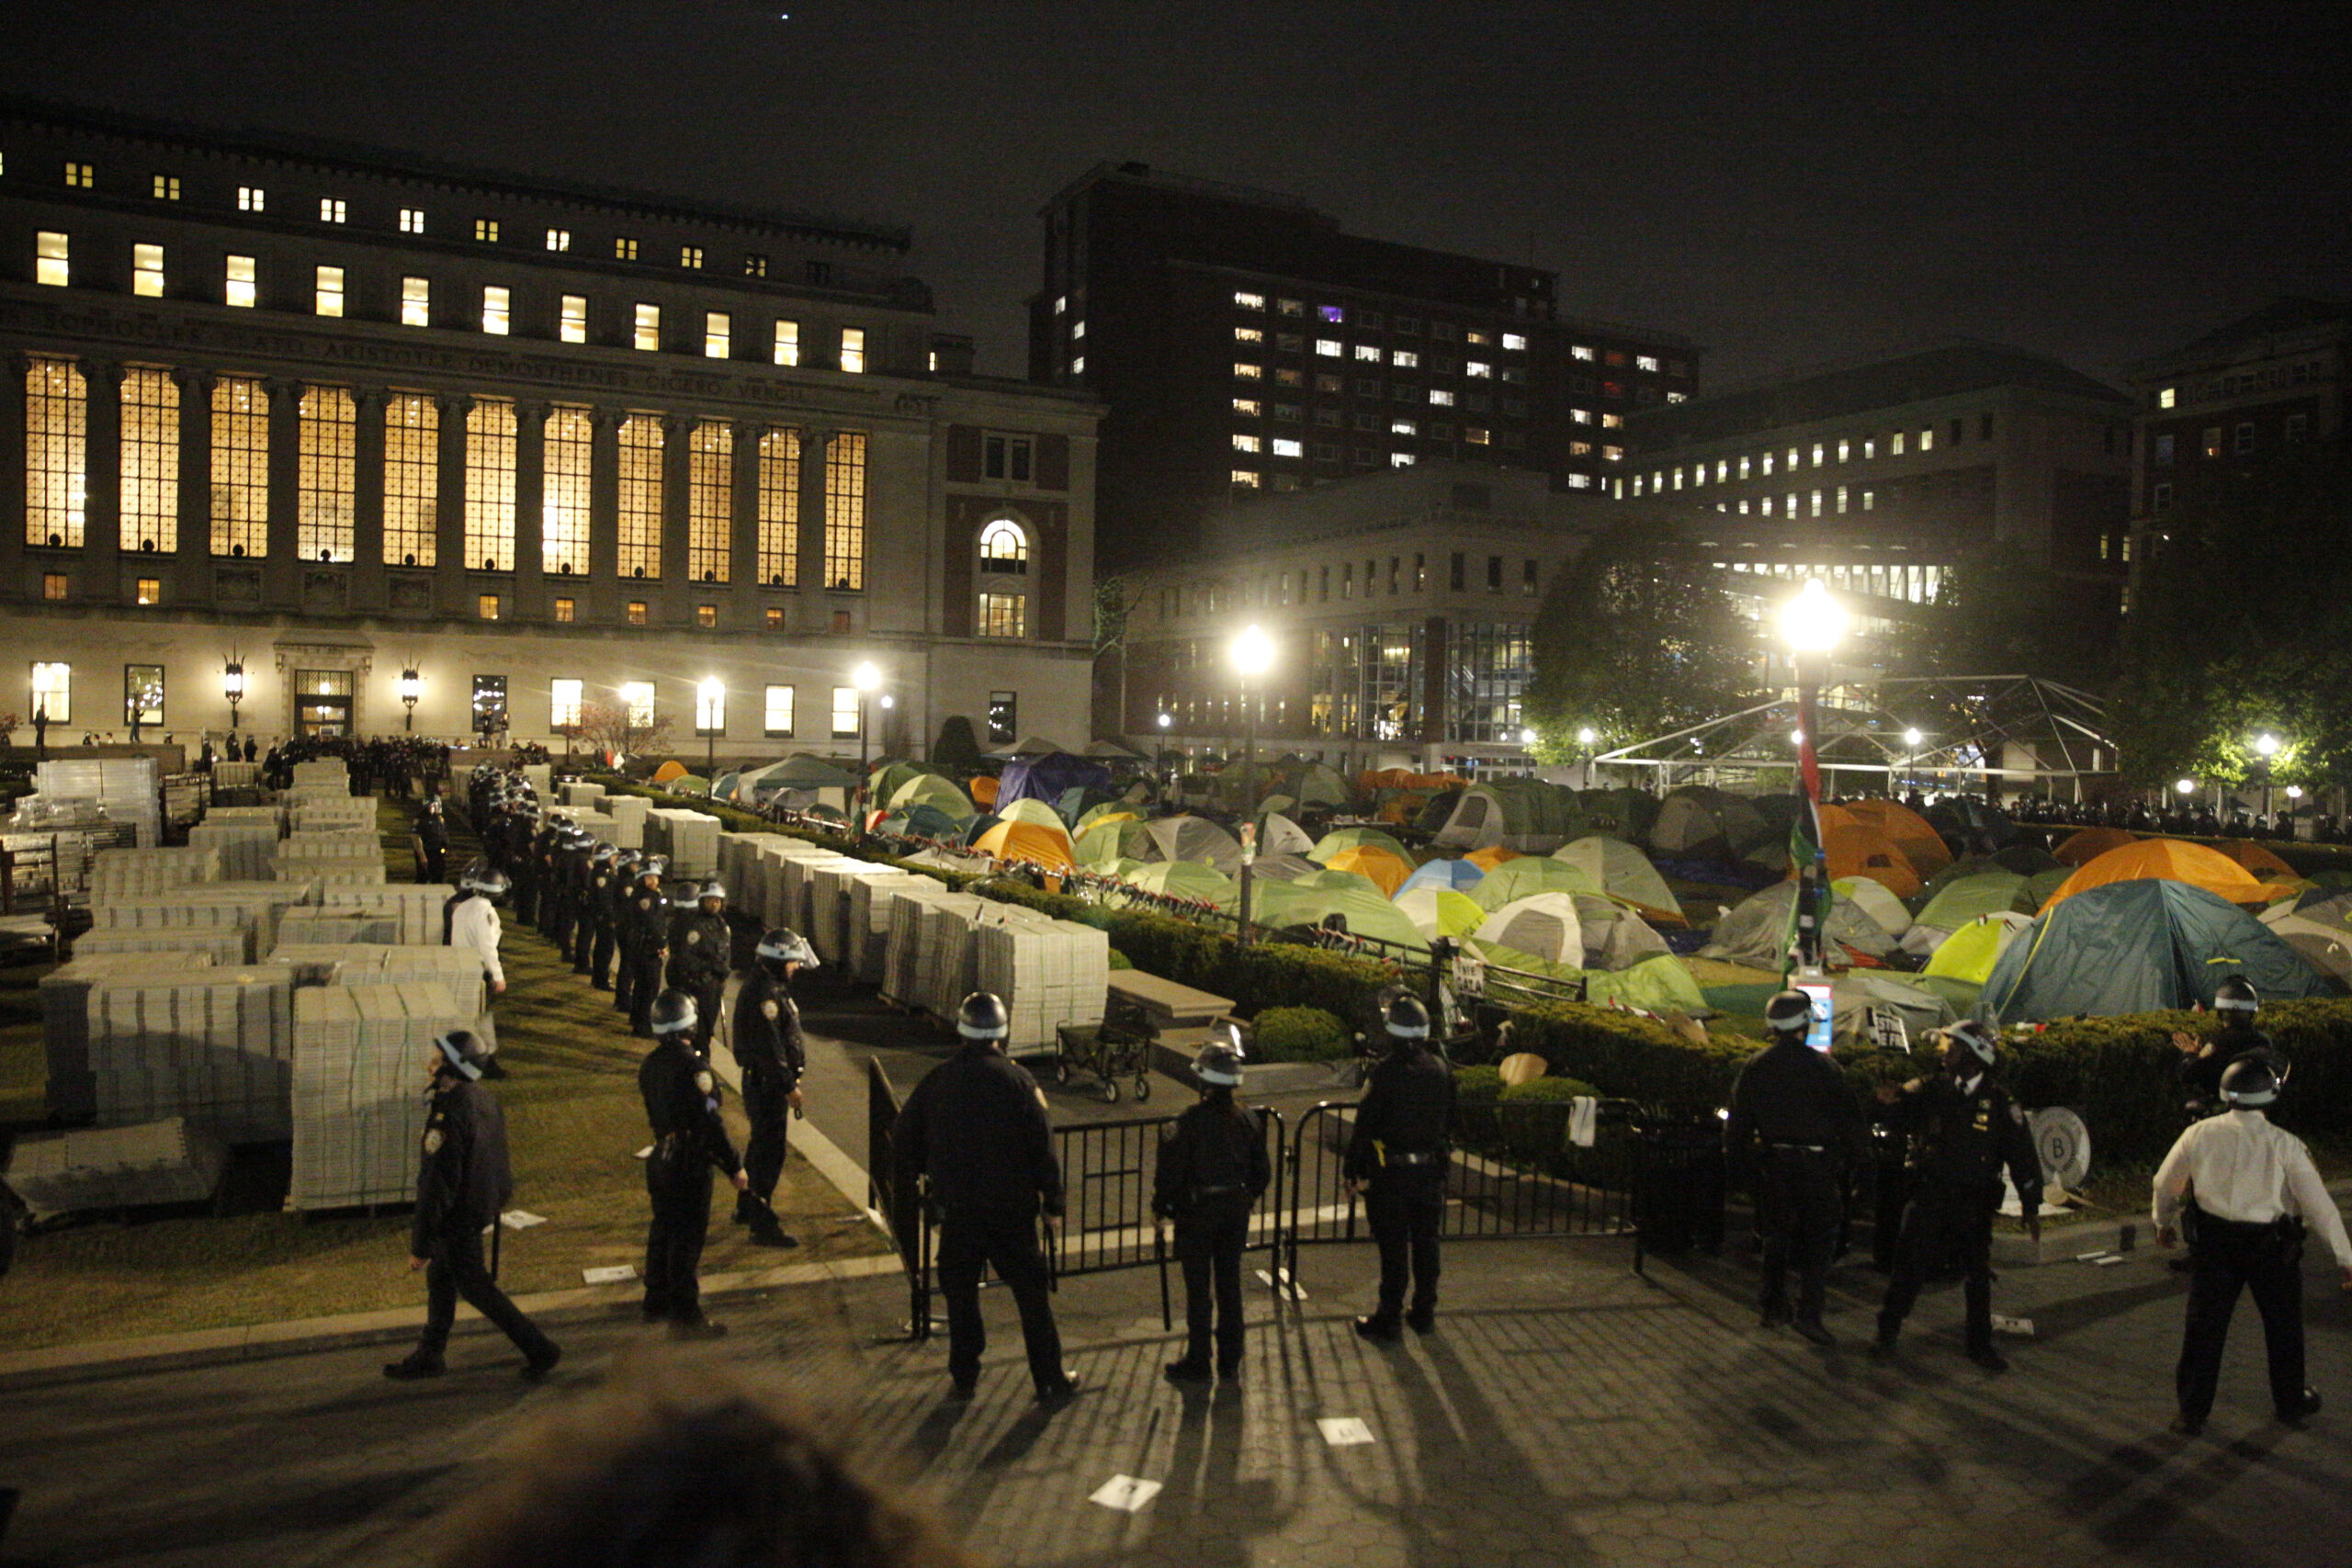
<point x="1126" y="1493"/>
<point x="1340" y="1431"/>
<point x="2021" y="1326"/>
<point x="521" y="1219"/>
<point x="617" y="1274"/>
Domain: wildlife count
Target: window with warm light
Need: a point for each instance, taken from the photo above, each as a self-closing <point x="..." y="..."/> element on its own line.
<point x="416" y="302"/>
<point x="624" y="248"/>
<point x="52" y="691"/>
<point x="641" y="443"/>
<point x="486" y="231"/>
<point x="330" y="209"/>
<point x="1246" y="300"/>
<point x="846" y="510"/>
<point x="636" y="614"/>
<point x="637" y="702"/>
<point x="775" y="713"/>
<point x="54" y="585"/>
<point x="558" y="239"/>
<point x="251" y="199"/>
<point x="240" y="480"/>
<point x="567" y="611"/>
<point x="1245" y="479"/>
<point x="572" y="318"/>
<point x="327" y="291"/>
<point x="649" y="327"/>
<point x="565" y="698"/>
<point x="412" y="221"/>
<point x="81" y="176"/>
<point x="567" y="448"/>
<point x="411" y="479"/>
<point x="754" y="264"/>
<point x="1249" y="372"/>
<point x="149" y="460"/>
<point x="705" y="614"/>
<point x="774" y="618"/>
<point x="690" y="256"/>
<point x="53" y="261"/>
<point x="780" y="507"/>
<point x="150" y="591"/>
<point x="326" y="428"/>
<point x="717" y="331"/>
<point x="490" y="485"/>
<point x="854" y="350"/>
<point x="1248" y="334"/>
<point x="2168" y="396"/>
<point x="56" y="453"/>
<point x="845" y="712"/>
<point x="1003" y="615"/>
<point x="147" y="271"/>
<point x="788" y="342"/>
<point x="240" y="287"/>
<point x="710" y="502"/>
<point x="497" y="309"/>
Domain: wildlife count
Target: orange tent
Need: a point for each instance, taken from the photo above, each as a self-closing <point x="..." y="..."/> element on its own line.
<point x="1381" y="866"/>
<point x="1400" y="778"/>
<point x="1031" y="841"/>
<point x="673" y="769"/>
<point x="1490" y="857"/>
<point x="2175" y="859"/>
<point x="1856" y="848"/>
<point x="2086" y="845"/>
<point x="983" y="790"/>
<point x="2255" y="859"/>
<point x="1920" y="843"/>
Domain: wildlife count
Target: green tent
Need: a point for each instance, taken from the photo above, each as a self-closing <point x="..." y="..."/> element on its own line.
<point x="1186" y="879"/>
<point x="1661" y="984"/>
<point x="1029" y="809"/>
<point x="922" y="822"/>
<point x="1339" y="839"/>
<point x="1440" y="911"/>
<point x="883" y="780"/>
<point x="1097" y="813"/>
<point x="1529" y="874"/>
<point x="1107" y="841"/>
<point x="1620" y="869"/>
<point x="931" y="789"/>
<point x="1965" y="898"/>
<point x="1280" y="904"/>
<point x="1620" y="813"/>
<point x="1525" y="815"/>
<point x="1349" y="881"/>
<point x="1971" y="952"/>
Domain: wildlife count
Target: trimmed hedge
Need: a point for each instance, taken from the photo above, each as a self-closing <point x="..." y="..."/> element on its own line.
<point x="1301" y="1034"/>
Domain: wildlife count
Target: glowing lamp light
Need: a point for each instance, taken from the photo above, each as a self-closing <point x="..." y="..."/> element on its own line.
<point x="232" y="681"/>
<point x="1586" y="736"/>
<point x="1912" y="738"/>
<point x="866" y="677"/>
<point x="1813" y="621"/>
<point x="2294" y="792"/>
<point x="1527" y="738"/>
<point x="412" y="686"/>
<point x="1796" y="737"/>
<point x="2185" y="786"/>
<point x="1253" y="652"/>
<point x="2266" y="744"/>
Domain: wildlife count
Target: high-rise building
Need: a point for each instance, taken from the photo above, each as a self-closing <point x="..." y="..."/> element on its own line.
<point x="1241" y="342"/>
<point x="332" y="415"/>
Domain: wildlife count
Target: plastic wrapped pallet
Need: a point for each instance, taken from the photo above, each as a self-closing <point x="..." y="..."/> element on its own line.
<point x="209" y="944"/>
<point x="869" y="920"/>
<point x="829" y="885"/>
<point x="902" y="954"/>
<point x="322" y="771"/>
<point x="310" y="924"/>
<point x="945" y="951"/>
<point x="777" y="883"/>
<point x="541" y="776"/>
<point x="1049" y="974"/>
<point x="246" y="849"/>
<point x="595" y="824"/>
<point x="341" y="813"/>
<point x="127" y="787"/>
<point x="582" y="795"/>
<point x="65" y="1015"/>
<point x="357" y="1113"/>
<point x="413" y="909"/>
<point x="689" y="838"/>
<point x="253" y="907"/>
<point x="133" y="873"/>
<point x="799" y="889"/>
<point x="235" y="775"/>
<point x="116" y="1167"/>
<point x="214" y="1046"/>
<point x="340" y="964"/>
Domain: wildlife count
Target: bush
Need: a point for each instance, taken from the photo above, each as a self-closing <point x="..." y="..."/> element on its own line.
<point x="1540" y="1129"/>
<point x="1120" y="960"/>
<point x="1302" y="1034"/>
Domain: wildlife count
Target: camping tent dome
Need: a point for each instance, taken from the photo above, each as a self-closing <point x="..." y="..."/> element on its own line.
<point x="2139" y="946"/>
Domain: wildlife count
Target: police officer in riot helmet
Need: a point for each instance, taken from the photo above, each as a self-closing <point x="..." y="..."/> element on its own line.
<point x="646" y="919"/>
<point x="2203" y="1059"/>
<point x="682" y="1098"/>
<point x="1964" y="1130"/>
<point x="462" y="1185"/>
<point x="2256" y="1192"/>
<point x="1396" y="1162"/>
<point x="1793" y="1126"/>
<point x="766" y="1039"/>
<point x="976" y="1132"/>
<point x="701" y="956"/>
<point x="1213" y="1170"/>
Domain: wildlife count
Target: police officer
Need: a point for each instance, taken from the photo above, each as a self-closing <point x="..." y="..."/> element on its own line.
<point x="647" y="920"/>
<point x="975" y="1130"/>
<point x="2254" y="1189"/>
<point x="766" y="1039"/>
<point x="1965" y="1130"/>
<point x="472" y="923"/>
<point x="2203" y="1059"/>
<point x="1794" y="1125"/>
<point x="681" y="1097"/>
<point x="433" y="840"/>
<point x="522" y="859"/>
<point x="567" y="863"/>
<point x="1397" y="1160"/>
<point x="595" y="911"/>
<point x="462" y="1186"/>
<point x="1213" y="1170"/>
<point x="701" y="955"/>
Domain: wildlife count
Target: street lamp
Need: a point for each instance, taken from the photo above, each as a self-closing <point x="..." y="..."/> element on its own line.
<point x="2265" y="747"/>
<point x="1253" y="655"/>
<point x="1811" y="624"/>
<point x="710" y="716"/>
<point x="865" y="678"/>
<point x="1911" y="738"/>
<point x="411" y="688"/>
<point x="232" y="685"/>
<point x="1159" y="751"/>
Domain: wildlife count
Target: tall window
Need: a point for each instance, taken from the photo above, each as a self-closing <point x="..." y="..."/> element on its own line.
<point x="143" y="693"/>
<point x="711" y="501"/>
<point x="412" y="221"/>
<point x="563" y="531"/>
<point x="776" y="713"/>
<point x="846" y="510"/>
<point x="1003" y="614"/>
<point x="717" y="334"/>
<point x="637" y="701"/>
<point x="239" y="289"/>
<point x="640" y="509"/>
<point x="411" y="479"/>
<point x="240" y="466"/>
<point x="53" y="691"/>
<point x="328" y="296"/>
<point x="53" y="259"/>
<point x="147" y="271"/>
<point x="416" y="301"/>
<point x="780" y="507"/>
<point x="572" y="318"/>
<point x="150" y="460"/>
<point x="649" y="326"/>
<point x="854" y="350"/>
<point x="495" y="309"/>
<point x="56" y="450"/>
<point x="558" y="239"/>
<point x="490" y="485"/>
<point x="845" y="710"/>
<point x="1004" y="547"/>
<point x="564" y="697"/>
<point x="250" y="198"/>
<point x="322" y="523"/>
<point x="788" y="342"/>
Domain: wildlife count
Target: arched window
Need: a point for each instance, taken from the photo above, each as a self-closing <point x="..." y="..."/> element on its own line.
<point x="1003" y="601"/>
<point x="1003" y="547"/>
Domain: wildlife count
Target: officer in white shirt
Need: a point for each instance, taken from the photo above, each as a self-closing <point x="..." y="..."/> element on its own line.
<point x="2255" y="1190"/>
<point x="474" y="926"/>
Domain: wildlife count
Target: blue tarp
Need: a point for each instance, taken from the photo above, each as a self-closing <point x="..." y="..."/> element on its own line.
<point x="1049" y="778"/>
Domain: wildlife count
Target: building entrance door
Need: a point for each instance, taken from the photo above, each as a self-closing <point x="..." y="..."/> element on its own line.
<point x="322" y="702"/>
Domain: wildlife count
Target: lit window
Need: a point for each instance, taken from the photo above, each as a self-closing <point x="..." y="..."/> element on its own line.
<point x="558" y="239"/>
<point x="649" y="327"/>
<point x="711" y="501"/>
<point x="1405" y="358"/>
<point x="690" y="256"/>
<point x="1368" y="351"/>
<point x="755" y="264"/>
<point x="240" y="287"/>
<point x="1441" y="397"/>
<point x="1078" y="328"/>
<point x="1333" y="313"/>
<point x="1062" y="303"/>
<point x="1403" y="427"/>
<point x="1817" y="503"/>
<point x="1612" y="454"/>
<point x="330" y="209"/>
<point x="1927" y="440"/>
<point x="416" y="302"/>
<point x="150" y="460"/>
<point x="147" y="271"/>
<point x="567" y="610"/>
<point x="1248" y="408"/>
<point x="636" y="612"/>
<point x="81" y="176"/>
<point x="52" y="263"/>
<point x="1841" y="499"/>
<point x="240" y="478"/>
<point x="1243" y="443"/>
<point x="707" y="615"/>
<point x="1248" y="334"/>
<point x="486" y="231"/>
<point x="1870" y="448"/>
<point x="1400" y="459"/>
<point x="56" y="452"/>
<point x="327" y="430"/>
<point x="1579" y="448"/>
<point x="847" y="710"/>
<point x="1678" y="397"/>
<point x="774" y="617"/>
<point x="1475" y="434"/>
<point x="327" y="291"/>
<point x="1249" y="372"/>
<point x="495" y="309"/>
<point x="1645" y="362"/>
<point x="2168" y="398"/>
<point x="788" y="342"/>
<point x="167" y="188"/>
<point x="637" y="696"/>
<point x="1248" y="301"/>
<point x="53" y="691"/>
<point x="1584" y="481"/>
<point x="1330" y="348"/>
<point x="572" y="318"/>
<point x="1004" y="547"/>
<point x="779" y="540"/>
<point x="490" y="485"/>
<point x="718" y="332"/>
<point x="1893" y="447"/>
<point x="1515" y="342"/>
<point x="564" y="698"/>
<point x="411" y="479"/>
<point x="1286" y="448"/>
<point x="624" y="249"/>
<point x="1617" y="421"/>
<point x="412" y="221"/>
<point x="1478" y="367"/>
<point x="854" y="350"/>
<point x="640" y="496"/>
<point x="250" y="198"/>
<point x="1245" y="479"/>
<point x="567" y="450"/>
<point x="1003" y="614"/>
<point x="150" y="591"/>
<point x="775" y="715"/>
<point x="846" y="512"/>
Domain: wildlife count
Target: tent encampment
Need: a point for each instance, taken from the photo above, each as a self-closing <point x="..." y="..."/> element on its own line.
<point x="1196" y="838"/>
<point x="1030" y="842"/>
<point x="1028" y="809"/>
<point x="2086" y="844"/>
<point x="1186" y="879"/>
<point x="1440" y="911"/>
<point x="1878" y="901"/>
<point x="1339" y="839"/>
<point x="1542" y="925"/>
<point x="2141" y="945"/>
<point x="2261" y="862"/>
<point x="1047" y="776"/>
<point x="1278" y="835"/>
<point x="1971" y="952"/>
<point x="1620" y="868"/>
<point x="2170" y="859"/>
<point x="1907" y="829"/>
<point x="1284" y="905"/>
<point x="1698" y="822"/>
<point x="1521" y="814"/>
<point x="1382" y="868"/>
<point x="1458" y="875"/>
<point x="1118" y="838"/>
<point x="1757" y="931"/>
<point x="1855" y="847"/>
<point x="931" y="789"/>
<point x="1527" y="875"/>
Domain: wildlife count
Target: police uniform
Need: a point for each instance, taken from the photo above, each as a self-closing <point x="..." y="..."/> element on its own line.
<point x="565" y="861"/>
<point x="682" y="1098"/>
<point x="1962" y="1134"/>
<point x="1794" y="1123"/>
<point x="2200" y="1073"/>
<point x="976" y="1129"/>
<point x="766" y="1040"/>
<point x="700" y="962"/>
<point x="463" y="1183"/>
<point x="594" y="957"/>
<point x="648" y="927"/>
<point x="433" y="842"/>
<point x="1397" y="1151"/>
<point x="1212" y="1169"/>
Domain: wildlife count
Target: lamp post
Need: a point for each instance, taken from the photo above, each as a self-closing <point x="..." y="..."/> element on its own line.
<point x="1811" y="624"/>
<point x="865" y="678"/>
<point x="1911" y="738"/>
<point x="2265" y="747"/>
<point x="1253" y="655"/>
<point x="411" y="688"/>
<point x="232" y="685"/>
<point x="710" y="716"/>
<point x="1159" y="752"/>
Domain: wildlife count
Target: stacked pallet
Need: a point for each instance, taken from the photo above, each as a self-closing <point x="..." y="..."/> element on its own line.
<point x="799" y="881"/>
<point x="235" y="775"/>
<point x="583" y="796"/>
<point x="66" y="1017"/>
<point x="902" y="953"/>
<point x="359" y="1110"/>
<point x="541" y="776"/>
<point x="942" y="966"/>
<point x="1049" y="972"/>
<point x="244" y="848"/>
<point x="412" y="907"/>
<point x="322" y="771"/>
<point x="340" y="964"/>
<point x="628" y="813"/>
<point x="343" y="858"/>
<point x="312" y="924"/>
<point x="828" y="891"/>
<point x="246" y="816"/>
<point x="869" y="939"/>
<point x="251" y="908"/>
<point x="775" y="885"/>
<point x="126" y="788"/>
<point x="214" y="1046"/>
<point x="139" y="874"/>
<point x="595" y="824"/>
<point x="116" y="1167"/>
<point x="689" y="838"/>
<point x="331" y="814"/>
<point x="209" y="944"/>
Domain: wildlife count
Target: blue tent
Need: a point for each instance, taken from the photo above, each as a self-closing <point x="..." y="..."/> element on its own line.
<point x="1049" y="778"/>
<point x="1455" y="876"/>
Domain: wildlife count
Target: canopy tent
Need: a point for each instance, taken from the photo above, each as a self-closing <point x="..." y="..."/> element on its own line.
<point x="1971" y="952"/>
<point x="2171" y="860"/>
<point x="1457" y="875"/>
<point x="1543" y="925"/>
<point x="1519" y="814"/>
<point x="1907" y="829"/>
<point x="1196" y="838"/>
<point x="1440" y="911"/>
<point x="1027" y="746"/>
<point x="799" y="771"/>
<point x="1383" y="869"/>
<point x="1700" y="822"/>
<point x="1278" y="835"/>
<point x="1186" y="879"/>
<point x="931" y="789"/>
<point x="1529" y="874"/>
<point x="2140" y="945"/>
<point x="1029" y="809"/>
<point x="1876" y="901"/>
<point x="1285" y="905"/>
<point x="1031" y="842"/>
<point x="2086" y="844"/>
<point x="2261" y="862"/>
<point x="1116" y="838"/>
<point x="1111" y="751"/>
<point x="1339" y="839"/>
<point x="1336" y="877"/>
<point x="1047" y="776"/>
<point x="1757" y="930"/>
<point x="1619" y="868"/>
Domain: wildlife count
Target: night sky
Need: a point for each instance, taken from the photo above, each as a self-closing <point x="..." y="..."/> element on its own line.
<point x="1787" y="184"/>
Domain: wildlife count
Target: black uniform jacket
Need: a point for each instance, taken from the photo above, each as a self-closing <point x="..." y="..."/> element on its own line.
<point x="1407" y="1106"/>
<point x="1962" y="1139"/>
<point x="1215" y="1155"/>
<point x="464" y="1182"/>
<point x="976" y="1127"/>
<point x="682" y="1097"/>
<point x="1791" y="1093"/>
<point x="767" y="1032"/>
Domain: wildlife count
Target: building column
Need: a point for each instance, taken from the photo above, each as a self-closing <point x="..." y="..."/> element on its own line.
<point x="102" y="484"/>
<point x="675" y="605"/>
<point x="190" y="579"/>
<point x="281" y="574"/>
<point x="604" y="590"/>
<point x="15" y="580"/>
<point x="449" y="573"/>
<point x="530" y="511"/>
<point x="370" y="588"/>
<point x="747" y="598"/>
<point x="811" y="615"/>
<point x="1435" y="654"/>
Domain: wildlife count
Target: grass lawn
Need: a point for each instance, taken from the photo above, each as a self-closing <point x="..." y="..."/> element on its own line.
<point x="574" y="1124"/>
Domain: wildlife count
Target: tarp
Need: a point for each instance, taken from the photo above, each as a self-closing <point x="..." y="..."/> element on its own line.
<point x="1543" y="925"/>
<point x="1029" y="842"/>
<point x="2170" y="859"/>
<point x="1697" y="822"/>
<point x="1458" y="875"/>
<point x="1339" y="839"/>
<point x="1440" y="911"/>
<point x="1049" y="776"/>
<point x="1620" y="868"/>
<point x="1757" y="930"/>
<point x="1529" y="874"/>
<point x="1278" y="835"/>
<point x="1383" y="869"/>
<point x="1907" y="829"/>
<point x="1972" y="950"/>
<point x="1186" y="879"/>
<point x="1029" y="809"/>
<point x="2086" y="844"/>
<point x="931" y="789"/>
<point x="2139" y="946"/>
<point x="1196" y="838"/>
<point x="1877" y="901"/>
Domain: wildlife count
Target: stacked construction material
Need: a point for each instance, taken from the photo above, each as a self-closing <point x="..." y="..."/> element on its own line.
<point x="251" y="908"/>
<point x="126" y="788"/>
<point x="66" y="1017"/>
<point x="412" y="907"/>
<point x="214" y="1046"/>
<point x="779" y="888"/>
<point x="943" y="965"/>
<point x="870" y="905"/>
<point x="331" y="814"/>
<point x="689" y="838"/>
<point x="210" y="944"/>
<point x="829" y="893"/>
<point x="341" y="964"/>
<point x="310" y="924"/>
<point x="272" y="816"/>
<point x="244" y="848"/>
<point x="799" y="884"/>
<point x="595" y="824"/>
<point x="341" y="858"/>
<point x="358" y="1109"/>
<point x="1049" y="972"/>
<point x="583" y="796"/>
<point x="141" y="873"/>
<point x="541" y="776"/>
<point x="324" y="772"/>
<point x="628" y="813"/>
<point x="235" y="775"/>
<point x="902" y="955"/>
<point x="116" y="1167"/>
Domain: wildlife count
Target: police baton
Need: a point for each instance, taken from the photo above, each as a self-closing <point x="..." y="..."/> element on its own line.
<point x="1160" y="1255"/>
<point x="1053" y="1252"/>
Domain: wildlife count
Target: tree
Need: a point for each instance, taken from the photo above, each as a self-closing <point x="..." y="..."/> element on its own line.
<point x="957" y="753"/>
<point x="2000" y="614"/>
<point x="1632" y="643"/>
<point x="607" y="728"/>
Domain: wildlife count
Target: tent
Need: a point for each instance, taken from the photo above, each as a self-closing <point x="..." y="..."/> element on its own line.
<point x="1278" y="835"/>
<point x="2328" y="949"/>
<point x="1047" y="776"/>
<point x="1196" y="838"/>
<point x="1316" y="783"/>
<point x="1186" y="879"/>
<point x="689" y="784"/>
<point x="1853" y="994"/>
<point x="1907" y="829"/>
<point x="979" y="823"/>
<point x="1620" y="813"/>
<point x="1283" y="905"/>
<point x="1520" y="814"/>
<point x="799" y="771"/>
<point x="1111" y="751"/>
<point x="1337" y="877"/>
<point x="1615" y="937"/>
<point x="2255" y="859"/>
<point x="1490" y="857"/>
<point x="1529" y="874"/>
<point x="931" y="789"/>
<point x="1076" y="802"/>
<point x="2138" y="946"/>
<point x="1543" y="925"/>
<point x="1619" y="868"/>
<point x="1697" y="822"/>
<point x="1027" y="746"/>
<point x="1876" y="901"/>
<point x="1973" y="896"/>
<point x="670" y="772"/>
<point x="884" y="778"/>
<point x="1282" y="868"/>
<point x="1456" y="876"/>
<point x="1029" y="809"/>
<point x="1440" y="911"/>
<point x="1757" y="931"/>
<point x="2086" y="844"/>
<point x="1384" y="870"/>
<point x="1028" y="842"/>
<point x="1659" y="984"/>
<point x="1110" y="812"/>
<point x="1854" y="848"/>
<point x="2172" y="860"/>
<point x="1119" y="837"/>
<point x="921" y="821"/>
<point x="1339" y="839"/>
<point x="984" y="789"/>
<point x="1971" y="952"/>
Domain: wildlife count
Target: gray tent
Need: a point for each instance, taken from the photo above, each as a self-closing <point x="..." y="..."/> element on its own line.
<point x="1757" y="931"/>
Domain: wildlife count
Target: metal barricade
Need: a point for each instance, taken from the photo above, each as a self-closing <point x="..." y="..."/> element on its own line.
<point x="1679" y="1185"/>
<point x="900" y="1206"/>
